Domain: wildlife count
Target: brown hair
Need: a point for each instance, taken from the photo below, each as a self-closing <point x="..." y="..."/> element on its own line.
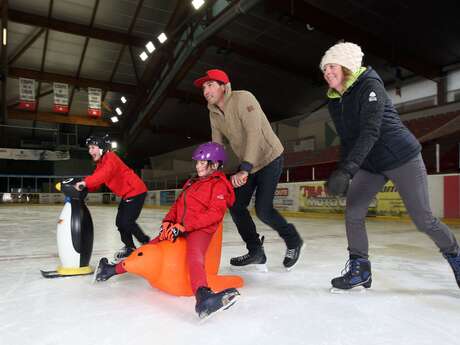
<point x="347" y="74"/>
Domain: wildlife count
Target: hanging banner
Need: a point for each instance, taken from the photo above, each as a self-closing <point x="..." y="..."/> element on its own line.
<point x="27" y="99"/>
<point x="94" y="102"/>
<point x="61" y="98"/>
<point x="34" y="155"/>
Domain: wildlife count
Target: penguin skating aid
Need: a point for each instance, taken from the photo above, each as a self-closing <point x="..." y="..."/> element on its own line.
<point x="74" y="234"/>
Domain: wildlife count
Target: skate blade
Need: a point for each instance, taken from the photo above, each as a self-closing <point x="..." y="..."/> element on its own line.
<point x="50" y="274"/>
<point x="56" y="274"/>
<point x="96" y="271"/>
<point x="232" y="302"/>
<point x="259" y="268"/>
<point x="355" y="290"/>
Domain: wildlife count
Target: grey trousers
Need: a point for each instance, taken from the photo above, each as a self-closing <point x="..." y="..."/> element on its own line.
<point x="411" y="182"/>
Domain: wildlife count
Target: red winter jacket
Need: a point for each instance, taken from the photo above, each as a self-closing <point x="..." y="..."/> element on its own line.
<point x="202" y="203"/>
<point x="111" y="171"/>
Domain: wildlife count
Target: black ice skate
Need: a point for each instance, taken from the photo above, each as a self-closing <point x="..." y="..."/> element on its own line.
<point x="254" y="260"/>
<point x="209" y="303"/>
<point x="293" y="255"/>
<point x="122" y="254"/>
<point x="104" y="271"/>
<point x="454" y="262"/>
<point x="357" y="273"/>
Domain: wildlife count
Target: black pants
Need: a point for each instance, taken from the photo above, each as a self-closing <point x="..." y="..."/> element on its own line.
<point x="264" y="183"/>
<point x="128" y="211"/>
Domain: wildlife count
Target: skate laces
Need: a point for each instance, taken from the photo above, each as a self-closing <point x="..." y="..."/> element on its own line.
<point x="347" y="269"/>
<point x="123" y="252"/>
<point x="290" y="253"/>
<point x="350" y="266"/>
<point x="243" y="257"/>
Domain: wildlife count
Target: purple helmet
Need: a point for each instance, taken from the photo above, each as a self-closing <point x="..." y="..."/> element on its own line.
<point x="210" y="152"/>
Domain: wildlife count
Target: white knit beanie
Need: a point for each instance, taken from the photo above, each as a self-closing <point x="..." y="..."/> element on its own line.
<point x="345" y="54"/>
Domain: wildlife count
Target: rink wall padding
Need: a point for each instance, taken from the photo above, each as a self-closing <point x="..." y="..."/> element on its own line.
<point x="452" y="196"/>
<point x="301" y="198"/>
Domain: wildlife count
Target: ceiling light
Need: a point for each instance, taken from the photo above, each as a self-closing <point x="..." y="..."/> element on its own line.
<point x="150" y="47"/>
<point x="5" y="35"/>
<point x="118" y="110"/>
<point x="143" y="56"/>
<point x="162" y="37"/>
<point x="114" y="119"/>
<point x="197" y="3"/>
<point x="123" y="99"/>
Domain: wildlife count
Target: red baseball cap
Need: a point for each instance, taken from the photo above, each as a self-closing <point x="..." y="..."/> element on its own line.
<point x="212" y="74"/>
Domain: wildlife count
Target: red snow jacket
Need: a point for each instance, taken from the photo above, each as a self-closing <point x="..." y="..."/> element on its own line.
<point x="202" y="203"/>
<point x="111" y="171"/>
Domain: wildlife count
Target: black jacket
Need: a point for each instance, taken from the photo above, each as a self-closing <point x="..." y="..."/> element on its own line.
<point x="372" y="135"/>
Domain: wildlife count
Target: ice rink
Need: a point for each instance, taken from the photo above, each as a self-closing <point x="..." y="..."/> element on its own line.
<point x="414" y="298"/>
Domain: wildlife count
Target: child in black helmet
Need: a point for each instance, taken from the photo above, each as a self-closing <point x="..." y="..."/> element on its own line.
<point x="121" y="180"/>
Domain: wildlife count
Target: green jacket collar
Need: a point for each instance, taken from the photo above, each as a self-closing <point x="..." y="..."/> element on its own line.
<point x="332" y="93"/>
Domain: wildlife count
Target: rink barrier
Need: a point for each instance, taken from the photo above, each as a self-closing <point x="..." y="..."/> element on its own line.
<point x="295" y="199"/>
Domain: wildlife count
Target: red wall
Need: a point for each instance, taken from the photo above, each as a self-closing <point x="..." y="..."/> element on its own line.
<point x="452" y="196"/>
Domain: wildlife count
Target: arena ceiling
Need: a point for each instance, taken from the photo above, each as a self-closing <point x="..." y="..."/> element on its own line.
<point x="271" y="48"/>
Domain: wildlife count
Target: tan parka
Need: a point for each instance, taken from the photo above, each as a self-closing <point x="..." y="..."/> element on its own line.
<point x="246" y="127"/>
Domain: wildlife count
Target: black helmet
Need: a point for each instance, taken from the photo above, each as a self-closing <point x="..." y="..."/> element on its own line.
<point x="103" y="142"/>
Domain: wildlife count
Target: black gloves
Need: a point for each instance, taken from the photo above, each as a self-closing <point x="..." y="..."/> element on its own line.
<point x="338" y="182"/>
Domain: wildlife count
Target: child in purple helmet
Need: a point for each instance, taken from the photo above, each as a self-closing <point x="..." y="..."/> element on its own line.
<point x="195" y="215"/>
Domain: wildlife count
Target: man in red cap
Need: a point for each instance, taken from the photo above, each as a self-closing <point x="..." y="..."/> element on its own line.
<point x="237" y="115"/>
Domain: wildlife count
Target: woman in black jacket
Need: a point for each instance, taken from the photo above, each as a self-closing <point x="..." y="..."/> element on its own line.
<point x="375" y="147"/>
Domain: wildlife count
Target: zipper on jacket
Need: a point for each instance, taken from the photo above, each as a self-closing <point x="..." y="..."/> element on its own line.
<point x="341" y="113"/>
<point x="185" y="204"/>
<point x="185" y="209"/>
<point x="219" y="111"/>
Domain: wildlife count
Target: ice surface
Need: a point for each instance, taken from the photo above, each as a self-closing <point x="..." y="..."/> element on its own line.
<point x="414" y="298"/>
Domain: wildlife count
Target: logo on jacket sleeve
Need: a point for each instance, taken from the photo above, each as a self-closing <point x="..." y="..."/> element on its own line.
<point x="250" y="108"/>
<point x="372" y="97"/>
<point x="220" y="197"/>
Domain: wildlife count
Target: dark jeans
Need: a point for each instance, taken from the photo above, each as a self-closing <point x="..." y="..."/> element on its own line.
<point x="264" y="183"/>
<point x="411" y="182"/>
<point x="128" y="211"/>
